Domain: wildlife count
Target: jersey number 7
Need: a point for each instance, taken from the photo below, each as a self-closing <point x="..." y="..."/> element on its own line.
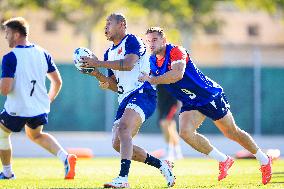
<point x="33" y="89"/>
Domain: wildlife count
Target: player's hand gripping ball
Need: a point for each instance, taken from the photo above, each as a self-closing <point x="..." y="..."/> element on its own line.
<point x="77" y="56"/>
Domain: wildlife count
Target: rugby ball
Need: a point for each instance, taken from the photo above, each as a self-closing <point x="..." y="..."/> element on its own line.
<point x="77" y="57"/>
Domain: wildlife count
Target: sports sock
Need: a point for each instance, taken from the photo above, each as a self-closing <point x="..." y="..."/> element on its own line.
<point x="170" y="151"/>
<point x="261" y="157"/>
<point x="217" y="155"/>
<point x="7" y="170"/>
<point x="124" y="167"/>
<point x="62" y="155"/>
<point x="178" y="152"/>
<point x="151" y="160"/>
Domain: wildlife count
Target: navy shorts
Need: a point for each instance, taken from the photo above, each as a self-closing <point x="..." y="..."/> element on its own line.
<point x="143" y="101"/>
<point x="167" y="104"/>
<point x="16" y="123"/>
<point x="215" y="110"/>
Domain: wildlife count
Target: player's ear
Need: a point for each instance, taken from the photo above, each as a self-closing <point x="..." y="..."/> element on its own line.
<point x="164" y="40"/>
<point x="122" y="25"/>
<point x="17" y="35"/>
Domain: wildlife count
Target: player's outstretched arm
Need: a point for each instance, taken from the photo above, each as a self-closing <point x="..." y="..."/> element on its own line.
<point x="55" y="84"/>
<point x="172" y="76"/>
<point x="126" y="64"/>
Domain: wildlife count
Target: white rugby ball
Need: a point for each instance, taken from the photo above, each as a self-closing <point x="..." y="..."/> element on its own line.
<point x="77" y="57"/>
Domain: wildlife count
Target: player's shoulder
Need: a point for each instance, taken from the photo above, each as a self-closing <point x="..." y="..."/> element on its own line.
<point x="43" y="50"/>
<point x="176" y="49"/>
<point x="133" y="38"/>
<point x="9" y="56"/>
<point x="39" y="48"/>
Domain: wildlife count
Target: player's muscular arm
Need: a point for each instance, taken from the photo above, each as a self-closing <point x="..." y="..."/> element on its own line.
<point x="126" y="64"/>
<point x="6" y="85"/>
<point x="55" y="84"/>
<point x="172" y="76"/>
<point x="178" y="57"/>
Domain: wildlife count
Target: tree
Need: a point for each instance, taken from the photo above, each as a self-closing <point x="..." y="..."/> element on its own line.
<point x="270" y="6"/>
<point x="186" y="15"/>
<point x="84" y="15"/>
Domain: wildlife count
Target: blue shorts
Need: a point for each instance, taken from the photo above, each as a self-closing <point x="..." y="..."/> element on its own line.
<point x="143" y="101"/>
<point x="215" y="110"/>
<point x="16" y="123"/>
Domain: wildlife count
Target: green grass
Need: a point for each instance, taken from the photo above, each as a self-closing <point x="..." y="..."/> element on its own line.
<point x="92" y="173"/>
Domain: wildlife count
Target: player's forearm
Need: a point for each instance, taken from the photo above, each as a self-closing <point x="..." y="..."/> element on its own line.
<point x="167" y="78"/>
<point x="120" y="65"/>
<point x="54" y="90"/>
<point x="6" y="85"/>
<point x="102" y="78"/>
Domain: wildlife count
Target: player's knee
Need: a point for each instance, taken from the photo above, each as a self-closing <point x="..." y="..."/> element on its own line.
<point x="34" y="136"/>
<point x="5" y="142"/>
<point x="123" y="130"/>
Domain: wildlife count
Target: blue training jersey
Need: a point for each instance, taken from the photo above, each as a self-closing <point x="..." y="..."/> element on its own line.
<point x="194" y="88"/>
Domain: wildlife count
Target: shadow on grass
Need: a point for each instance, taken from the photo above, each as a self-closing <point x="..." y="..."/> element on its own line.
<point x="277" y="182"/>
<point x="278" y="173"/>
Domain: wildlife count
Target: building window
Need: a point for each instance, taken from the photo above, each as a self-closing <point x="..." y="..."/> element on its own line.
<point x="51" y="25"/>
<point x="253" y="30"/>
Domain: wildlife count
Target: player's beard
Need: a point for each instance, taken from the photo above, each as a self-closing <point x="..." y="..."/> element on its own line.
<point x="158" y="50"/>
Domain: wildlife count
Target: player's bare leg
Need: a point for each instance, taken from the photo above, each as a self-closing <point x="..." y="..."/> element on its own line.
<point x="229" y="128"/>
<point x="138" y="154"/>
<point x="189" y="122"/>
<point x="123" y="132"/>
<point x="6" y="153"/>
<point x="43" y="139"/>
<point x="49" y="143"/>
<point x="128" y="127"/>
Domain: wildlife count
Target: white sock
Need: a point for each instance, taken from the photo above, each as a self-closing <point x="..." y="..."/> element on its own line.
<point x="178" y="152"/>
<point x="261" y="157"/>
<point x="170" y="152"/>
<point x="124" y="178"/>
<point x="7" y="170"/>
<point x="217" y="155"/>
<point x="62" y="155"/>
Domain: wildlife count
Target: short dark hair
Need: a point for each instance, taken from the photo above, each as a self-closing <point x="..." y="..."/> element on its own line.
<point x="18" y="24"/>
<point x="119" y="17"/>
<point x="159" y="30"/>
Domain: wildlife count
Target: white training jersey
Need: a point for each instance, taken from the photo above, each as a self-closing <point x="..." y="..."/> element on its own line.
<point x="28" y="65"/>
<point x="127" y="81"/>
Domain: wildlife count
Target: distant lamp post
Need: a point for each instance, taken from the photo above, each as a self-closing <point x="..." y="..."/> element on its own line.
<point x="253" y="33"/>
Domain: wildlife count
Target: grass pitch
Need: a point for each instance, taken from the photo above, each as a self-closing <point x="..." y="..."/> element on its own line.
<point x="93" y="173"/>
